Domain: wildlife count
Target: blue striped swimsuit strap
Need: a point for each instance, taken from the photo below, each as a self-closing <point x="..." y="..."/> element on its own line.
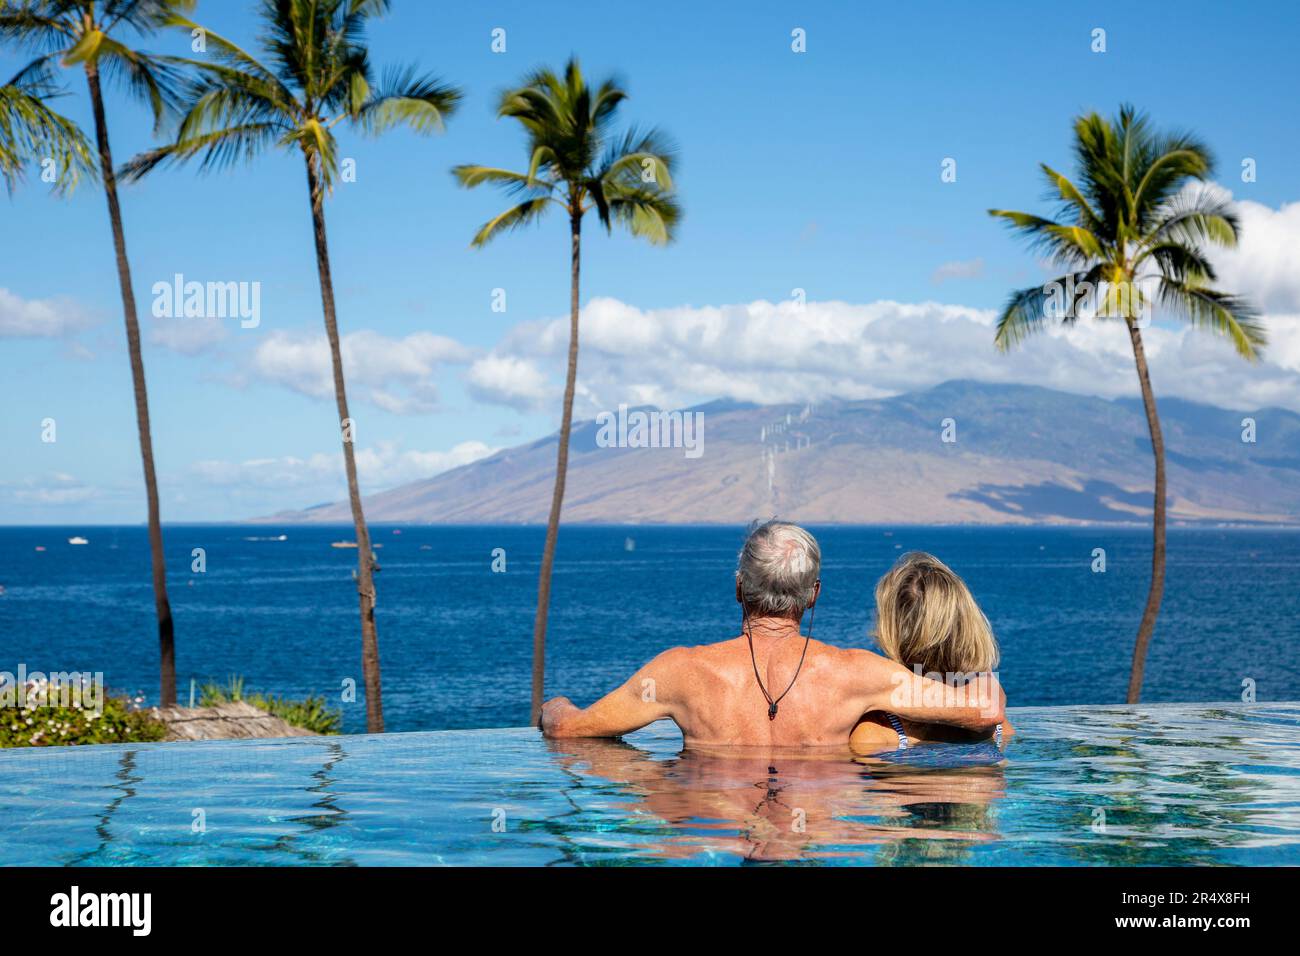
<point x="898" y="729"/>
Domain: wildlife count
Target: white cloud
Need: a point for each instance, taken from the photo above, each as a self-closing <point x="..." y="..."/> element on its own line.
<point x="39" y="318"/>
<point x="1265" y="264"/>
<point x="55" y="488"/>
<point x="397" y="375"/>
<point x="508" y="380"/>
<point x="768" y="352"/>
<point x="960" y="269"/>
<point x="188" y="336"/>
<point x="379" y="466"/>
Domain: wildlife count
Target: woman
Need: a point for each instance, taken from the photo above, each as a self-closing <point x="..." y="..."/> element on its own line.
<point x="926" y="616"/>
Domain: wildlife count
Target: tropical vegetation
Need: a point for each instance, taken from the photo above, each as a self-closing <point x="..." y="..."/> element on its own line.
<point x="311" y="713"/>
<point x="94" y="36"/>
<point x="1133" y="230"/>
<point x="314" y="73"/>
<point x="49" y="718"/>
<point x="577" y="162"/>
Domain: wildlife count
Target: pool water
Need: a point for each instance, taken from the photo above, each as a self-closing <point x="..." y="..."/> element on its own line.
<point x="1167" y="784"/>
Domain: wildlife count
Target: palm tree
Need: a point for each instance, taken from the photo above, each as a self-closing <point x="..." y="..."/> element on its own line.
<point x="576" y="163"/>
<point x="30" y="131"/>
<point x="1133" y="231"/>
<point x="315" y="73"/>
<point x="85" y="33"/>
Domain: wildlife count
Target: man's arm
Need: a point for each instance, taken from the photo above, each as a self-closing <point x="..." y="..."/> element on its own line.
<point x="642" y="700"/>
<point x="881" y="684"/>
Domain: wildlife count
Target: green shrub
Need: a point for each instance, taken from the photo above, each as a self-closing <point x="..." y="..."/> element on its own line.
<point x="120" y="721"/>
<point x="312" y="713"/>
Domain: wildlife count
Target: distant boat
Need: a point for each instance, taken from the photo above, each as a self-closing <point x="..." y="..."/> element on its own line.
<point x="78" y="540"/>
<point x="343" y="544"/>
<point x="282" y="537"/>
<point x="629" y="544"/>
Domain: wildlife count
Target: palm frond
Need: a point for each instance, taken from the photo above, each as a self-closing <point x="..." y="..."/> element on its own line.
<point x="421" y="103"/>
<point x="1064" y="244"/>
<point x="312" y="73"/>
<point x="1070" y="195"/>
<point x="513" y="218"/>
<point x="31" y="131"/>
<point x="152" y="79"/>
<point x="29" y="25"/>
<point x="1216" y="312"/>
<point x="571" y="150"/>
<point x="649" y="213"/>
<point x="1195" y="216"/>
<point x="630" y="156"/>
<point x="144" y="16"/>
<point x="1181" y="261"/>
<point x="1029" y="310"/>
<point x="219" y="148"/>
<point x="471" y="176"/>
<point x="227" y="59"/>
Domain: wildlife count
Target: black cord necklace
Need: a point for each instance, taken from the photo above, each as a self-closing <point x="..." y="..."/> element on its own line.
<point x="749" y="635"/>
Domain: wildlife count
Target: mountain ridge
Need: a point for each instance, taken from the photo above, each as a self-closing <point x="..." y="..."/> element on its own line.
<point x="1019" y="454"/>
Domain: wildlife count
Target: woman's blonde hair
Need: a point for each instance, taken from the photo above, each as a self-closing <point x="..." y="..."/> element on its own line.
<point x="925" y="615"/>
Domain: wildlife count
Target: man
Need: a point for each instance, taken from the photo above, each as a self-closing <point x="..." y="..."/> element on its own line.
<point x="771" y="686"/>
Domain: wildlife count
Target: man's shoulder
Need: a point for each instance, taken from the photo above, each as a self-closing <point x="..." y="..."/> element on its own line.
<point x="687" y="654"/>
<point x="700" y="658"/>
<point x="851" y="662"/>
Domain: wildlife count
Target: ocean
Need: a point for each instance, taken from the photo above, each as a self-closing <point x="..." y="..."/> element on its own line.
<point x="456" y="635"/>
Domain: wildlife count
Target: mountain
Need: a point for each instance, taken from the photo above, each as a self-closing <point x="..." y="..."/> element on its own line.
<point x="1021" y="455"/>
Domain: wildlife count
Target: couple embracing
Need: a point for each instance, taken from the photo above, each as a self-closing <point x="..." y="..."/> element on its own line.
<point x="771" y="686"/>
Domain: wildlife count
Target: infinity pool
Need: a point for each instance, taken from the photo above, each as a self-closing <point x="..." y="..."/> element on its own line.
<point x="1161" y="784"/>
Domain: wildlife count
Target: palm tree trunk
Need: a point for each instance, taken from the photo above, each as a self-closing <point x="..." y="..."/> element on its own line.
<point x="365" y="555"/>
<point x="561" y="471"/>
<point x="166" y="635"/>
<point x="1157" y="590"/>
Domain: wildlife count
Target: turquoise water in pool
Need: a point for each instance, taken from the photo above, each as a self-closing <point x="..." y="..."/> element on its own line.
<point x="1172" y="784"/>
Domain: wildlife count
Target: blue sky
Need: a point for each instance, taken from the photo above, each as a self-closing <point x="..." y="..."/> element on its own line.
<point x="817" y="171"/>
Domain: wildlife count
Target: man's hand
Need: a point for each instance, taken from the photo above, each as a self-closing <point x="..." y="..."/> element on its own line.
<point x="552" y="712"/>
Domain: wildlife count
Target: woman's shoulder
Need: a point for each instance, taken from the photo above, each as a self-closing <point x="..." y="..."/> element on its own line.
<point x="873" y="730"/>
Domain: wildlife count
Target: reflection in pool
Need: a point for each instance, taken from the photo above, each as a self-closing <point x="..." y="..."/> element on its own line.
<point x="1159" y="784"/>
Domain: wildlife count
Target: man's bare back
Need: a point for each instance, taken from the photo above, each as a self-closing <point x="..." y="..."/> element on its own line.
<point x="711" y="693"/>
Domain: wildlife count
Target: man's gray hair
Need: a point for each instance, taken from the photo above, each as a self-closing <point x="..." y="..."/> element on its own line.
<point x="778" y="569"/>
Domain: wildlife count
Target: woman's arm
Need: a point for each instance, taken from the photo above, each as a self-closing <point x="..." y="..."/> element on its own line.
<point x="872" y="733"/>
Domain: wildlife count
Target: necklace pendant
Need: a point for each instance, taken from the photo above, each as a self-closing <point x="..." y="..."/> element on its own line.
<point x="771" y="712"/>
